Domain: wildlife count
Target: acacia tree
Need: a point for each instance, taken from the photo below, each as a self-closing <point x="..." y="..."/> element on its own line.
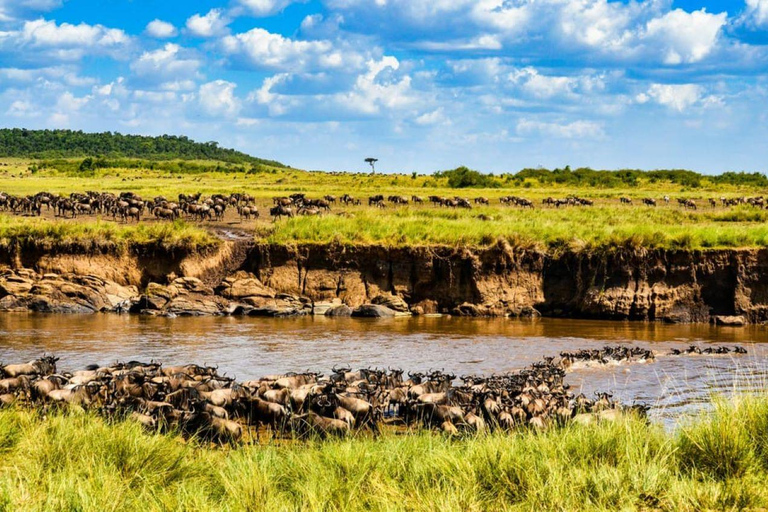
<point x="371" y="161"/>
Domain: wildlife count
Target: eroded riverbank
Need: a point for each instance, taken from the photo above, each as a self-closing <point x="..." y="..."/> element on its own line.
<point x="727" y="286"/>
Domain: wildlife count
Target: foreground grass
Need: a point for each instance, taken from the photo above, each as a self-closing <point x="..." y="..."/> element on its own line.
<point x="78" y="462"/>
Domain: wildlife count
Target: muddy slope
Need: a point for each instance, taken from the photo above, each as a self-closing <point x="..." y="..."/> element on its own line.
<point x="728" y="286"/>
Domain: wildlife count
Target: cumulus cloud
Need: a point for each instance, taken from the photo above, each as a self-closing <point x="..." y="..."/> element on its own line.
<point x="262" y="8"/>
<point x="14" y="9"/>
<point x="64" y="41"/>
<point x="756" y="13"/>
<point x="218" y="98"/>
<point x="575" y="130"/>
<point x="539" y="85"/>
<point x="65" y="74"/>
<point x="161" y="29"/>
<point x="212" y="24"/>
<point x="632" y="31"/>
<point x="379" y="88"/>
<point x="685" y="37"/>
<point x="436" y="116"/>
<point x="481" y="42"/>
<point x="262" y="49"/>
<point x="674" y="96"/>
<point x="166" y="63"/>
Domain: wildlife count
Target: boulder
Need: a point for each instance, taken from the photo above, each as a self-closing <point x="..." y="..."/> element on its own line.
<point x="321" y="308"/>
<point x="277" y="311"/>
<point x="43" y="304"/>
<point x="158" y="291"/>
<point x="731" y="320"/>
<point x="242" y="285"/>
<point x="468" y="309"/>
<point x="373" y="311"/>
<point x="189" y="306"/>
<point x="339" y="311"/>
<point x="393" y="302"/>
<point x="190" y="285"/>
<point x="14" y="285"/>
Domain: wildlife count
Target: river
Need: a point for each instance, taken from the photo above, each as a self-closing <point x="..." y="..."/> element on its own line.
<point x="248" y="348"/>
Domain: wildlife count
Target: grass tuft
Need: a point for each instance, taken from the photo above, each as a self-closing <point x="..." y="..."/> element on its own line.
<point x="77" y="461"/>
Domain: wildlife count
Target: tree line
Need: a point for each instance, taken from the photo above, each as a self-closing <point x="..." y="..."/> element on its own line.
<point x="463" y="177"/>
<point x="51" y="144"/>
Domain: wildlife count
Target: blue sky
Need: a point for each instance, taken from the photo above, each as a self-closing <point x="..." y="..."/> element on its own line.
<point x="423" y="85"/>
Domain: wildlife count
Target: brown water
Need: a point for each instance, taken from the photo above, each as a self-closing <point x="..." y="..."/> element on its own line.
<point x="248" y="348"/>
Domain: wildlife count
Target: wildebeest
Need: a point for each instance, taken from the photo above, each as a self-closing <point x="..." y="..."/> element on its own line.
<point x="276" y="212"/>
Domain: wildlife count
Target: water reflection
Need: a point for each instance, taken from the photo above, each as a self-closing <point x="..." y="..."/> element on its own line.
<point x="248" y="348"/>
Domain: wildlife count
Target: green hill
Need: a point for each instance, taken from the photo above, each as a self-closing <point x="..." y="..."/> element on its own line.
<point x="47" y="144"/>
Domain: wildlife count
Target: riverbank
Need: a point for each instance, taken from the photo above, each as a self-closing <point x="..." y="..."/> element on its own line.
<point x="242" y="277"/>
<point x="77" y="461"/>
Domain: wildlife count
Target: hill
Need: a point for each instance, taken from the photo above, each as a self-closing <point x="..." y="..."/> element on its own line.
<point x="45" y="144"/>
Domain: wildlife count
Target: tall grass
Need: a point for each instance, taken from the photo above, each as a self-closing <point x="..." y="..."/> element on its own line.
<point x="89" y="236"/>
<point x="80" y="462"/>
<point x="603" y="226"/>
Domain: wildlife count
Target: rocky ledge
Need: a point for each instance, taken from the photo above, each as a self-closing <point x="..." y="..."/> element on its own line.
<point x="240" y="294"/>
<point x="725" y="287"/>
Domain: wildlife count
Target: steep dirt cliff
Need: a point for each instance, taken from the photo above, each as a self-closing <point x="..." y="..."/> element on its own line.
<point x="730" y="286"/>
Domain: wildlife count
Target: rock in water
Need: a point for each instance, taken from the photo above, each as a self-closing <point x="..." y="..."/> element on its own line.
<point x="373" y="311"/>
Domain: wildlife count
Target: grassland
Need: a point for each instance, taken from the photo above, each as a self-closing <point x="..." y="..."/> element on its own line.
<point x="607" y="224"/>
<point x="102" y="236"/>
<point x="718" y="461"/>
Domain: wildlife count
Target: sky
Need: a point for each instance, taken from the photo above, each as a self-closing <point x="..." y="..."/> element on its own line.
<point x="422" y="85"/>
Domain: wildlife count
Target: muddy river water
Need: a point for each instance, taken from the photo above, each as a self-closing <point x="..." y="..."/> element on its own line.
<point x="248" y="348"/>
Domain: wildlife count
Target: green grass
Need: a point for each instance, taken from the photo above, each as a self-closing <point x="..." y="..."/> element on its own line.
<point x="548" y="229"/>
<point x="607" y="224"/>
<point x="102" y="236"/>
<point x="80" y="462"/>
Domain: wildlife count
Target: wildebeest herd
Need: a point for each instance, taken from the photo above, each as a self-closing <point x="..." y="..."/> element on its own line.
<point x="131" y="207"/>
<point x="199" y="401"/>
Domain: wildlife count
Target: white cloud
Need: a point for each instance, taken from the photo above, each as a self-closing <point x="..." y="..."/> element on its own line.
<point x="161" y="29"/>
<point x="263" y="49"/>
<point x="69" y="103"/>
<point x="685" y="37"/>
<point x="674" y="96"/>
<point x="65" y="74"/>
<point x="166" y="63"/>
<point x="377" y="88"/>
<point x="12" y="9"/>
<point x="64" y="41"/>
<point x="635" y="31"/>
<point x="265" y="7"/>
<point x="437" y="116"/>
<point x="21" y="108"/>
<point x="756" y="13"/>
<point x="217" y="98"/>
<point x="212" y="24"/>
<point x="481" y="42"/>
<point x="574" y="130"/>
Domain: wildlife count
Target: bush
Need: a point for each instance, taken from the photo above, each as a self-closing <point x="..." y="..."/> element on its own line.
<point x="463" y="177"/>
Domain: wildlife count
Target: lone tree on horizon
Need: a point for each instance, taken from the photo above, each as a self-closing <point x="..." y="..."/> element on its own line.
<point x="371" y="161"/>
